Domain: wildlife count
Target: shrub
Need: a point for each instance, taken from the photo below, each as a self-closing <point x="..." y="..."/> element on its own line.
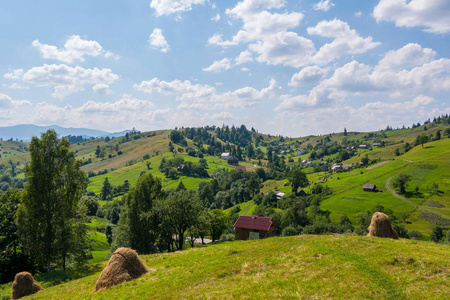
<point x="289" y="230"/>
<point x="227" y="237"/>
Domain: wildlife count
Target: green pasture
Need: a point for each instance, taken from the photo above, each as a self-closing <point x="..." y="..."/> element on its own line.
<point x="300" y="267"/>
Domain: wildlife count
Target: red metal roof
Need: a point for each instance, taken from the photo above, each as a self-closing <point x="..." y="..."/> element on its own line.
<point x="258" y="223"/>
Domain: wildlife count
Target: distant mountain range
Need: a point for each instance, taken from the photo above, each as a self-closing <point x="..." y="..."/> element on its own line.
<point x="27" y="131"/>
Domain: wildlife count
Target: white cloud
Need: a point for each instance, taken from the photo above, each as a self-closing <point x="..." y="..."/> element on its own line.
<point x="6" y="102"/>
<point x="324" y="5"/>
<point x="368" y="117"/>
<point x="167" y="7"/>
<point x="284" y="48"/>
<point x="244" y="69"/>
<point x="216" y="39"/>
<point x="158" y="41"/>
<point x="218" y="66"/>
<point x="101" y="89"/>
<point x="75" y="48"/>
<point x="15" y="74"/>
<point x="346" y="41"/>
<point x="122" y="114"/>
<point x="309" y="75"/>
<point x="395" y="75"/>
<point x="433" y="15"/>
<point x="68" y="80"/>
<point x="269" y="35"/>
<point x="244" y="57"/>
<point x="216" y="18"/>
<point x="195" y="96"/>
<point x="358" y="14"/>
<point x="407" y="57"/>
<point x="16" y="86"/>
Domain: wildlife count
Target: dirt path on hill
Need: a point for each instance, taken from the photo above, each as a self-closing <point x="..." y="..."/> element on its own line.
<point x="247" y="209"/>
<point x="395" y="194"/>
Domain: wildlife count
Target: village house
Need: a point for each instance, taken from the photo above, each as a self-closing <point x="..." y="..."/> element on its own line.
<point x="377" y="144"/>
<point x="233" y="161"/>
<point x="362" y="146"/>
<point x="300" y="151"/>
<point x="252" y="228"/>
<point x="335" y="167"/>
<point x="225" y="155"/>
<point x="279" y="194"/>
<point x="242" y="168"/>
<point x="370" y="188"/>
<point x="347" y="167"/>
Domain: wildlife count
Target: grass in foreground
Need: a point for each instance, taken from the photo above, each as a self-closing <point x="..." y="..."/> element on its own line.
<point x="348" y="267"/>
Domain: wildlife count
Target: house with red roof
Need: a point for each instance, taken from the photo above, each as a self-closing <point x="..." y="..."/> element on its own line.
<point x="252" y="228"/>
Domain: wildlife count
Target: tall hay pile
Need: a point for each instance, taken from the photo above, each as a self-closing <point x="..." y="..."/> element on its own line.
<point x="380" y="226"/>
<point x="124" y="265"/>
<point x="24" y="285"/>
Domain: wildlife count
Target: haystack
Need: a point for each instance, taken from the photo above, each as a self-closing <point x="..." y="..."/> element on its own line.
<point x="24" y="285"/>
<point x="124" y="265"/>
<point x="380" y="226"/>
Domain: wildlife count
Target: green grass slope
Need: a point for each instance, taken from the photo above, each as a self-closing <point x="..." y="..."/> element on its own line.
<point x="301" y="267"/>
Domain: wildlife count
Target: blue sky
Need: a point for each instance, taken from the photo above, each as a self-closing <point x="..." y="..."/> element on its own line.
<point x="283" y="67"/>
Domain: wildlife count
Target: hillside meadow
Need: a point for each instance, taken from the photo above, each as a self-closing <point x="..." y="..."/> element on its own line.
<point x="305" y="267"/>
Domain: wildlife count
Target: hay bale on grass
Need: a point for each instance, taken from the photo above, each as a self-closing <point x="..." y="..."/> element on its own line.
<point x="124" y="265"/>
<point x="24" y="285"/>
<point x="380" y="226"/>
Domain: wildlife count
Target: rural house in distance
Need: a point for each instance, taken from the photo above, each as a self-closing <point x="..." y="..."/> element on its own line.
<point x="253" y="228"/>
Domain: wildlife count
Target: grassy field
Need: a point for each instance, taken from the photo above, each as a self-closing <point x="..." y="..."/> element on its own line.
<point x="302" y="267"/>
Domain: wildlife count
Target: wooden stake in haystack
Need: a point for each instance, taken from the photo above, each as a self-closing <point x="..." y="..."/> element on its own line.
<point x="24" y="285"/>
<point x="124" y="265"/>
<point x="380" y="226"/>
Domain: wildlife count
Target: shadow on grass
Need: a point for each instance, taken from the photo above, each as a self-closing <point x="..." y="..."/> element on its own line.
<point x="413" y="194"/>
<point x="58" y="276"/>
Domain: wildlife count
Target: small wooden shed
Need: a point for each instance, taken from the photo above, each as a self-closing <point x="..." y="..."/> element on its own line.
<point x="370" y="188"/>
<point x="259" y="227"/>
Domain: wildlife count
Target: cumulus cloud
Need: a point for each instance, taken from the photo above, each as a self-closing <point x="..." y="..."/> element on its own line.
<point x="122" y="114"/>
<point x="346" y="41"/>
<point x="395" y="75"/>
<point x="270" y="36"/>
<point x="244" y="57"/>
<point x="158" y="41"/>
<point x="409" y="56"/>
<point x="324" y="5"/>
<point x="369" y="116"/>
<point x="196" y="96"/>
<point x="74" y="49"/>
<point x="434" y="15"/>
<point x="284" y="48"/>
<point x="309" y="75"/>
<point x="6" y="102"/>
<point x="68" y="80"/>
<point x="101" y="89"/>
<point x="216" y="18"/>
<point x="15" y="74"/>
<point x="218" y="66"/>
<point x="16" y="86"/>
<point x="167" y="7"/>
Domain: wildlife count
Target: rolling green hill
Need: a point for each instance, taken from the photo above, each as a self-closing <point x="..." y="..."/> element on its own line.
<point x="125" y="159"/>
<point x="302" y="267"/>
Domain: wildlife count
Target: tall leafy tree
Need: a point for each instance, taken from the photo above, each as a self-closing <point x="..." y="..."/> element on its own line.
<point x="9" y="202"/>
<point x="106" y="189"/>
<point x="48" y="221"/>
<point x="297" y="179"/>
<point x="136" y="229"/>
<point x="182" y="210"/>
